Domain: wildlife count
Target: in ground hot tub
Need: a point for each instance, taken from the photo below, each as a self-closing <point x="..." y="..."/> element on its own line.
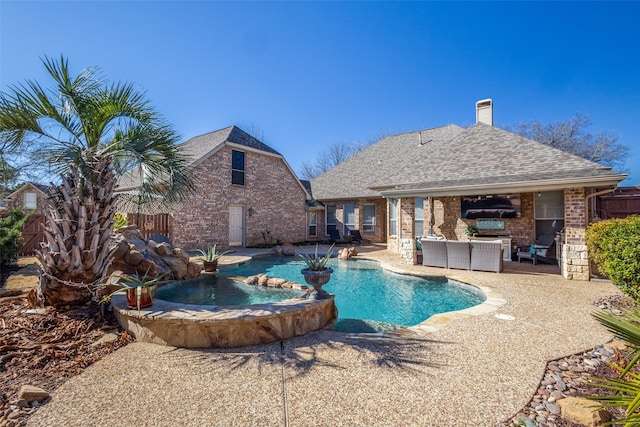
<point x="206" y="326"/>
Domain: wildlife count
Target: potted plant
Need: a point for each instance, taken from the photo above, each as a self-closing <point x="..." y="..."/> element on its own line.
<point x="471" y="231"/>
<point x="138" y="290"/>
<point x="210" y="258"/>
<point x="317" y="273"/>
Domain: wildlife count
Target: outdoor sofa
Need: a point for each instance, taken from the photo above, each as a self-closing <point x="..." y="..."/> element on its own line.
<point x="465" y="255"/>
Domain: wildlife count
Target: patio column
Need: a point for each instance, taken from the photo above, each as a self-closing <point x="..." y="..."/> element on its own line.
<point x="575" y="258"/>
<point x="407" y="243"/>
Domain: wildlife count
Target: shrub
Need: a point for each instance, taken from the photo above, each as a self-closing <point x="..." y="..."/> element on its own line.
<point x="120" y="220"/>
<point x="11" y="236"/>
<point x="614" y="246"/>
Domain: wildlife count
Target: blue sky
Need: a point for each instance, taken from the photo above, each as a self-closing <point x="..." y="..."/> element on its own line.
<point x="307" y="74"/>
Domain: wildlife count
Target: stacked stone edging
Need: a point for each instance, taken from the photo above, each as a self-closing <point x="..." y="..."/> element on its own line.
<point x="197" y="326"/>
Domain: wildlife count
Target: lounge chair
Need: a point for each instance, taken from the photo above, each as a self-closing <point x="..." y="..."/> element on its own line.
<point x="486" y="256"/>
<point x="537" y="251"/>
<point x="458" y="254"/>
<point x="334" y="237"/>
<point x="434" y="253"/>
<point x="357" y="237"/>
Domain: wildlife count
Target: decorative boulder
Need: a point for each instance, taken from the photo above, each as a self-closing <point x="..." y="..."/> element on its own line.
<point x="583" y="411"/>
<point x="288" y="250"/>
<point x="347" y="253"/>
<point x="135" y="255"/>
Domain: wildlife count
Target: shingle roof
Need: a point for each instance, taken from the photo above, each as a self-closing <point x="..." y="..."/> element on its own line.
<point x="451" y="156"/>
<point x="200" y="147"/>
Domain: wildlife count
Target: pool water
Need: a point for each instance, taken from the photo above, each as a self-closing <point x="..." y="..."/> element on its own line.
<point x="209" y="290"/>
<point x="369" y="299"/>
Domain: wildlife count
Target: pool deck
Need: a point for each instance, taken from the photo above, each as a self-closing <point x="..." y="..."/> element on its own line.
<point x="469" y="371"/>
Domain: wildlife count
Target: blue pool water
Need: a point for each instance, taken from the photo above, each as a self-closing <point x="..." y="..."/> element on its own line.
<point x="368" y="298"/>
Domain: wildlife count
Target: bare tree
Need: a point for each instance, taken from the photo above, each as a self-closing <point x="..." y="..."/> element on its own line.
<point x="334" y="154"/>
<point x="571" y="136"/>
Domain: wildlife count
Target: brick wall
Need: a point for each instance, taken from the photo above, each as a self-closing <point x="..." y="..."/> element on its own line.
<point x="448" y="221"/>
<point x="17" y="199"/>
<point x="575" y="216"/>
<point x="273" y="201"/>
<point x="575" y="257"/>
<point x="406" y="241"/>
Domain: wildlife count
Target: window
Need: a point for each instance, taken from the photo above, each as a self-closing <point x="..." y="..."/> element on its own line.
<point x="549" y="212"/>
<point x="237" y="167"/>
<point x="393" y="217"/>
<point x="349" y="218"/>
<point x="313" y="224"/>
<point x="369" y="220"/>
<point x="418" y="225"/>
<point x="330" y="219"/>
<point x="30" y="200"/>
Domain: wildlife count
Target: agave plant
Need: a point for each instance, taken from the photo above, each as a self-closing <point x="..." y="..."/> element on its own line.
<point x="211" y="254"/>
<point x="315" y="261"/>
<point x="627" y="387"/>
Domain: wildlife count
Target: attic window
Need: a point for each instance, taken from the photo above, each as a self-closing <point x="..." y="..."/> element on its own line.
<point x="237" y="167"/>
<point x="30" y="200"/>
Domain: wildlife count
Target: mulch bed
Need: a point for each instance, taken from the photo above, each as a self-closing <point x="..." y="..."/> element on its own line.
<point x="46" y="347"/>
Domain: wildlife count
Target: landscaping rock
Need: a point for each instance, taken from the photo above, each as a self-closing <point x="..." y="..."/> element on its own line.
<point x="263" y="280"/>
<point x="583" y="411"/>
<point x="276" y="282"/>
<point x="288" y="250"/>
<point x="347" y="253"/>
<point x="31" y="393"/>
<point x="135" y="255"/>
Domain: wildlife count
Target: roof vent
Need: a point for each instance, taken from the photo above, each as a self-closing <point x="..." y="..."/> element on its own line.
<point x="484" y="111"/>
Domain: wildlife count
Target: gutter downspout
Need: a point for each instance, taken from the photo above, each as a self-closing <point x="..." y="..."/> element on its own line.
<point x="598" y="193"/>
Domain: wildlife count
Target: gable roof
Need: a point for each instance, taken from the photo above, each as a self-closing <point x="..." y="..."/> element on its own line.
<point x="455" y="161"/>
<point x="38" y="187"/>
<point x="199" y="148"/>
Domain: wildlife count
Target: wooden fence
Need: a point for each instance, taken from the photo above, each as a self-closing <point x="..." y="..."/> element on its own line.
<point x="150" y="224"/>
<point x="624" y="201"/>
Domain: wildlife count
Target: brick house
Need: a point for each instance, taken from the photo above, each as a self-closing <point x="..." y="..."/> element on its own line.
<point x="246" y="194"/>
<point x="32" y="198"/>
<point x="442" y="180"/>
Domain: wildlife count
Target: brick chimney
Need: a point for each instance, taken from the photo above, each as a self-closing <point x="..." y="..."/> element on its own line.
<point x="484" y="111"/>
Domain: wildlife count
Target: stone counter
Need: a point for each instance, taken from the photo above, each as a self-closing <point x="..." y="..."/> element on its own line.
<point x="202" y="326"/>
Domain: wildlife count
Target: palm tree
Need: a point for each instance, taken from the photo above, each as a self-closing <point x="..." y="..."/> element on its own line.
<point x="90" y="132"/>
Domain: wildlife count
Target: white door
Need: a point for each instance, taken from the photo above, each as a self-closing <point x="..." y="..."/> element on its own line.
<point x="236" y="225"/>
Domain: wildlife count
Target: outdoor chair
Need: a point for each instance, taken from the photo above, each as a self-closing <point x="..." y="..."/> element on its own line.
<point x="537" y="251"/>
<point x="434" y="253"/>
<point x="357" y="237"/>
<point x="458" y="254"/>
<point x="486" y="256"/>
<point x="334" y="237"/>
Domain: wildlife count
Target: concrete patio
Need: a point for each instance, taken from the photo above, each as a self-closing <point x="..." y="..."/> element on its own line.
<point x="473" y="371"/>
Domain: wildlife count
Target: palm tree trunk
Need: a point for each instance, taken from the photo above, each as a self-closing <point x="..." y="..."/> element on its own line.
<point x="77" y="252"/>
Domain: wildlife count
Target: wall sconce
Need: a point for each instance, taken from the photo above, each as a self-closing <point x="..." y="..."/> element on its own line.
<point x="251" y="211"/>
<point x="539" y="194"/>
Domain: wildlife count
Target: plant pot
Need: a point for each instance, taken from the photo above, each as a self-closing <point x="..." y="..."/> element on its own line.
<point x="317" y="279"/>
<point x="210" y="266"/>
<point x="146" y="297"/>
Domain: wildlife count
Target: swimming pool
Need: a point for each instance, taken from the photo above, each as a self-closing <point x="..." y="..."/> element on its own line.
<point x="369" y="298"/>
